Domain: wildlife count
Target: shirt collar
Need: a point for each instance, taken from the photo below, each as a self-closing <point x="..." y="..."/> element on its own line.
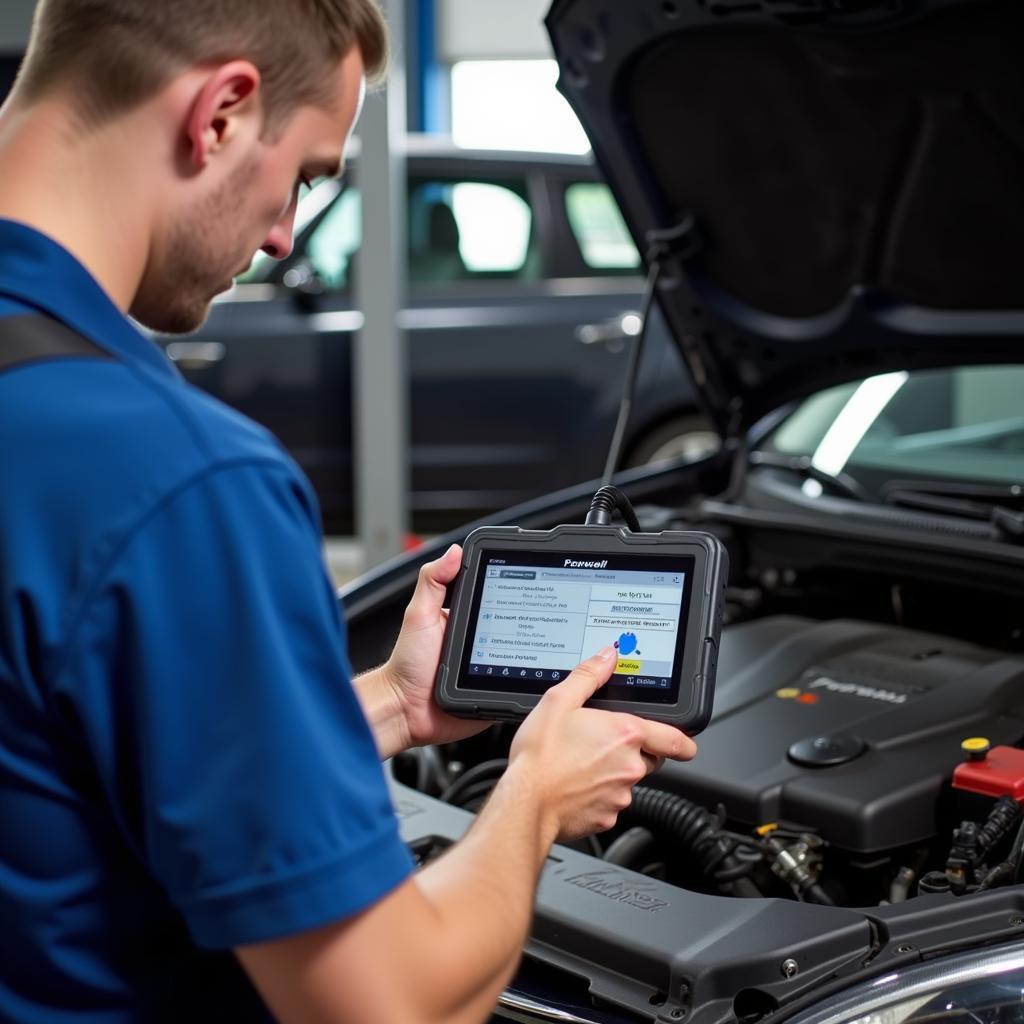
<point x="39" y="272"/>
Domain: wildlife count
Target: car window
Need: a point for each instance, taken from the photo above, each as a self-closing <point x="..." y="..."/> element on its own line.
<point x="462" y="230"/>
<point x="457" y="231"/>
<point x="336" y="239"/>
<point x="600" y="231"/>
<point x="964" y="423"/>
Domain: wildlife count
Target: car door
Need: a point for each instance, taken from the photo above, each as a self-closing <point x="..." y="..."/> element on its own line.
<point x="506" y="401"/>
<point x="525" y="296"/>
<point x="596" y="256"/>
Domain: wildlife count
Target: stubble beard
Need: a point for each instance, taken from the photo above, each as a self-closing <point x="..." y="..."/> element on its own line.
<point x="203" y="253"/>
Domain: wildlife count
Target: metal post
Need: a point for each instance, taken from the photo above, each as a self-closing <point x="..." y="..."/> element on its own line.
<point x="380" y="378"/>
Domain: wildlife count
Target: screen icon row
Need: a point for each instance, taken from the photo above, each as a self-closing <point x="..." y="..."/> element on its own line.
<point x="536" y="674"/>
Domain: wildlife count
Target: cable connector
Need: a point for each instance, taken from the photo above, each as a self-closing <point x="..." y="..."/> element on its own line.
<point x="605" y="502"/>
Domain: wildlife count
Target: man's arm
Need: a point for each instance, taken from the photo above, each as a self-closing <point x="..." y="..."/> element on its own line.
<point x="442" y="946"/>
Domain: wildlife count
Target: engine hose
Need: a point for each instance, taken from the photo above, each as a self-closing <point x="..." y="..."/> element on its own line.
<point x="489" y="770"/>
<point x="696" y="830"/>
<point x="431" y="773"/>
<point x="1002" y="818"/>
<point x="1010" y="869"/>
<point x="815" y="894"/>
<point x="628" y="849"/>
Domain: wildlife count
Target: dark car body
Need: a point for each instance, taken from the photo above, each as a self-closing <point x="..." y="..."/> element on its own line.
<point x="516" y="343"/>
<point x="834" y="192"/>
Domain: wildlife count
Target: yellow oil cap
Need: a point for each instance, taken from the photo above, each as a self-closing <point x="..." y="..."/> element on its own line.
<point x="976" y="747"/>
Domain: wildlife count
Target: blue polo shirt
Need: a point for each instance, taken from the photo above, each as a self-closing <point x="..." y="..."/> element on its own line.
<point x="184" y="765"/>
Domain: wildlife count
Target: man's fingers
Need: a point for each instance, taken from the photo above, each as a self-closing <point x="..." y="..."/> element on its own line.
<point x="588" y="677"/>
<point x="663" y="740"/>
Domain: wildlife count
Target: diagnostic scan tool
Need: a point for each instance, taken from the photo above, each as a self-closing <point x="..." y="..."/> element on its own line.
<point x="530" y="605"/>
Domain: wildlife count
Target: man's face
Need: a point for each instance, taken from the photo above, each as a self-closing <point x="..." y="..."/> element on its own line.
<point x="214" y="238"/>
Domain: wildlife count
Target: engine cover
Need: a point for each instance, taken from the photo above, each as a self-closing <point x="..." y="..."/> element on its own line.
<point x="847" y="727"/>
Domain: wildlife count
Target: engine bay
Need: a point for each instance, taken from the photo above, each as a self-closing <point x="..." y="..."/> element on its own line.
<point x="836" y="744"/>
<point x="855" y="803"/>
<point x="854" y="758"/>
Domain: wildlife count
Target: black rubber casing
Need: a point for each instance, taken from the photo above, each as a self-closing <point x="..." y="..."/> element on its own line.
<point x="691" y="711"/>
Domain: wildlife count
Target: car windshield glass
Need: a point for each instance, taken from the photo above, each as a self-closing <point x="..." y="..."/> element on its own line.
<point x="964" y="424"/>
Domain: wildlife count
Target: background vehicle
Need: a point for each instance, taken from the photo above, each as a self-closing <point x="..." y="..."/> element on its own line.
<point x="524" y="289"/>
<point x="833" y="194"/>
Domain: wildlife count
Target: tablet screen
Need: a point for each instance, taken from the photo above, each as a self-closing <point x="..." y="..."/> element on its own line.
<point x="537" y="614"/>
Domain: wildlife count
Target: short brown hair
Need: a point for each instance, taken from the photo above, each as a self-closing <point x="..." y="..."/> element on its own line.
<point x="120" y="53"/>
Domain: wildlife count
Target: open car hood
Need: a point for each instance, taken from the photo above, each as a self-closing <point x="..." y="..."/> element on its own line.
<point x="832" y="188"/>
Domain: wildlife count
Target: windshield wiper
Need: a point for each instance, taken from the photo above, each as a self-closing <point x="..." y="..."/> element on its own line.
<point x="983" y="495"/>
<point x="802" y="465"/>
<point x="1000" y="504"/>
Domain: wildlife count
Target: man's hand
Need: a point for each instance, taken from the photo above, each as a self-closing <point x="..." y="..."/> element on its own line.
<point x="398" y="697"/>
<point x="581" y="763"/>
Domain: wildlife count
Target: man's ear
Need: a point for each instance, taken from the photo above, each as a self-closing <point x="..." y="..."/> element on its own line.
<point x="228" y="102"/>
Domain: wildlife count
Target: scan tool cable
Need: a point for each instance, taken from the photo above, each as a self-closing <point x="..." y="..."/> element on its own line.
<point x="606" y="500"/>
<point x="632" y="373"/>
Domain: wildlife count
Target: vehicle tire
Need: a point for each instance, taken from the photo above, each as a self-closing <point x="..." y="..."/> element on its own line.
<point x="685" y="436"/>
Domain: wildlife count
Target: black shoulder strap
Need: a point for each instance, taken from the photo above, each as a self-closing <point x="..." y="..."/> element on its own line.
<point x="34" y="337"/>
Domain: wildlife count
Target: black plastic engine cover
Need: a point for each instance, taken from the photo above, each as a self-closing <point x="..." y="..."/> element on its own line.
<point x="909" y="698"/>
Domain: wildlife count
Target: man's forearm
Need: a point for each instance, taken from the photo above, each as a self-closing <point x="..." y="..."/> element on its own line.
<point x="439" y="949"/>
<point x="482" y="891"/>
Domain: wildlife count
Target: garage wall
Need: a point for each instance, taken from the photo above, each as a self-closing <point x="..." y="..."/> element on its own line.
<point x="467" y="29"/>
<point x="491" y="29"/>
<point x="15" y="21"/>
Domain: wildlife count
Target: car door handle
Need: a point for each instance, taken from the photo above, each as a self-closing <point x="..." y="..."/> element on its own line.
<point x="612" y="333"/>
<point x="196" y="355"/>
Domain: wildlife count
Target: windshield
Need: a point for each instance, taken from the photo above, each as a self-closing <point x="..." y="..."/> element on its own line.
<point x="961" y="424"/>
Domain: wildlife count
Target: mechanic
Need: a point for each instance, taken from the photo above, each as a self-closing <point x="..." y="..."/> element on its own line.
<point x="194" y="814"/>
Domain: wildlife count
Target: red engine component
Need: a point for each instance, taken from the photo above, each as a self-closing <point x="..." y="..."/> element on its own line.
<point x="996" y="772"/>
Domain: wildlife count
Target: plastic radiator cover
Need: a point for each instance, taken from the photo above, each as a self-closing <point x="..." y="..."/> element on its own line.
<point x="903" y="701"/>
<point x="654" y="949"/>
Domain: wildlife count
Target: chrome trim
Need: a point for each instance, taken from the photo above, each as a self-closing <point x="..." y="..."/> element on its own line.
<point x="607" y="285"/>
<point x="247" y="292"/>
<point x="526" y="313"/>
<point x="196" y="355"/>
<point x="524" y="1004"/>
<point x="908" y="983"/>
<point x="343" y="320"/>
<point x="608" y="332"/>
